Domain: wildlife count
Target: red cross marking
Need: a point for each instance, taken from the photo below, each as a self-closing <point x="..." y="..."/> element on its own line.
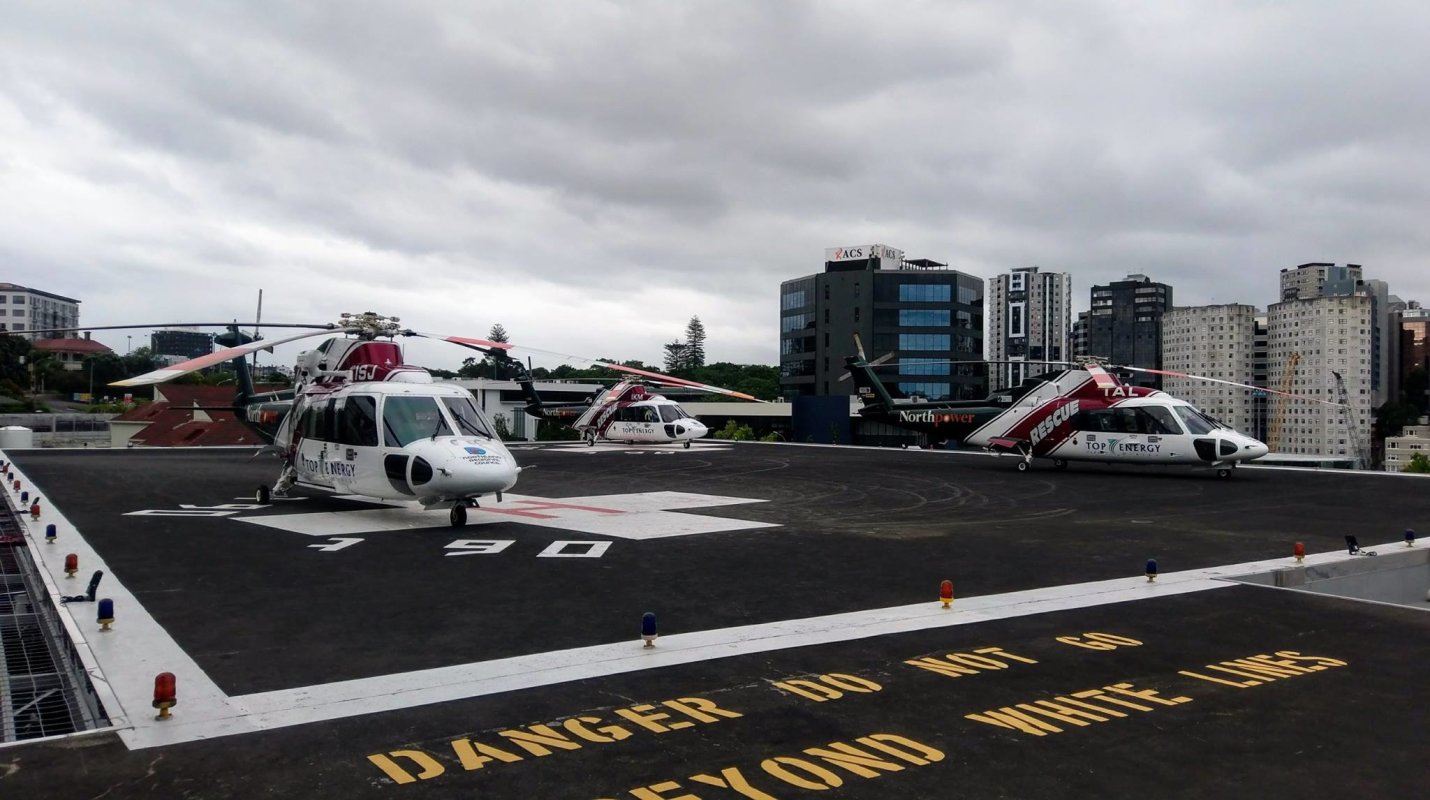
<point x="533" y="506"/>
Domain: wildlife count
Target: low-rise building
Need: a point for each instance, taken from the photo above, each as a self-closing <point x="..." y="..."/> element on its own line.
<point x="1400" y="449"/>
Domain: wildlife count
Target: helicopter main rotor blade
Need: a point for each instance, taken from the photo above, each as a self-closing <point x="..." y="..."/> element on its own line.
<point x="668" y="380"/>
<point x="316" y="326"/>
<point x="218" y="357"/>
<point x="481" y="345"/>
<point x="1227" y="383"/>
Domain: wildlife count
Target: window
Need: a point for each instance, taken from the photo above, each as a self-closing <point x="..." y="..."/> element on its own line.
<point x="923" y="366"/>
<point x="910" y="317"/>
<point x="1017" y="282"/>
<point x="470" y="419"/>
<point x="407" y="418"/>
<point x="1016" y="314"/>
<point x="1197" y="424"/>
<point x="794" y="322"/>
<point x="18" y="299"/>
<point x="925" y="293"/>
<point x="793" y="300"/>
<point x="931" y="391"/>
<point x="358" y="421"/>
<point x="923" y="341"/>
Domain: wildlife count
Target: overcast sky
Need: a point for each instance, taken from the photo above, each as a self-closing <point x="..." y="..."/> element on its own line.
<point x="590" y="175"/>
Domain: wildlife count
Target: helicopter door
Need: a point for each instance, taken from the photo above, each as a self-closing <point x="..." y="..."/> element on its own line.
<point x="1144" y="434"/>
<point x="317" y="430"/>
<point x="636" y="424"/>
<point x="357" y="459"/>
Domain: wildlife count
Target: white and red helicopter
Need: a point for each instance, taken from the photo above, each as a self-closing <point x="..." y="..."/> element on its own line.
<point x="358" y="420"/>
<point x="629" y="411"/>
<point x="1082" y="413"/>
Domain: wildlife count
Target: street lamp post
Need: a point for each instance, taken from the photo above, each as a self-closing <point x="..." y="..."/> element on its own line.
<point x="129" y="339"/>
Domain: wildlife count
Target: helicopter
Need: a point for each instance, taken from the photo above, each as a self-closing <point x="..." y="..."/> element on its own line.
<point x="358" y="420"/>
<point x="1079" y="413"/>
<point x="629" y="411"/>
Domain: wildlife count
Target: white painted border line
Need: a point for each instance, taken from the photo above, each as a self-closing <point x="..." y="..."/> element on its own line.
<point x="121" y="663"/>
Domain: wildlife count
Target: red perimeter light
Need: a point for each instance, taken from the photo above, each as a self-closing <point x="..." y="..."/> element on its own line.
<point x="1299" y="551"/>
<point x="165" y="689"/>
<point x="71" y="564"/>
<point x="945" y="593"/>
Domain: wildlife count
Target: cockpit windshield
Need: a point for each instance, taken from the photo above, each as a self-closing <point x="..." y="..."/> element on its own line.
<point x="671" y="412"/>
<point x="470" y="419"/>
<point x="1197" y="423"/>
<point x="407" y="418"/>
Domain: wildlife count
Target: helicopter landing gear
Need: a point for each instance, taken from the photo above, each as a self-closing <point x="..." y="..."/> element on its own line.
<point x="263" y="496"/>
<point x="1224" y="473"/>
<point x="1060" y="463"/>
<point x="590" y="438"/>
<point x="687" y="444"/>
<point x="1024" y="465"/>
<point x="458" y="517"/>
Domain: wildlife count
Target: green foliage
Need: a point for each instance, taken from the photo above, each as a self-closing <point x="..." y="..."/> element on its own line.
<point x="12" y="349"/>
<point x="499" y="421"/>
<point x="735" y="431"/>
<point x="139" y="361"/>
<point x="675" y="357"/>
<point x="772" y="437"/>
<point x="694" y="344"/>
<point x="1419" y="463"/>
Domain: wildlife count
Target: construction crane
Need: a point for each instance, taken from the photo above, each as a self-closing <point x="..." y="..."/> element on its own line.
<point x="1273" y="439"/>
<point x="1349" y="417"/>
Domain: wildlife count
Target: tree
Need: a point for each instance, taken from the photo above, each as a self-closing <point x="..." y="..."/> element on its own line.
<point x="1391" y="418"/>
<point x="694" y="354"/>
<point x="675" y="357"/>
<point x="1418" y="463"/>
<point x="14" y="366"/>
<point x="139" y="361"/>
<point x="487" y="367"/>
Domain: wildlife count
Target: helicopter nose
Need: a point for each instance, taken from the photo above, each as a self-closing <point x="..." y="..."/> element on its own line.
<point x="460" y="470"/>
<point x="1253" y="449"/>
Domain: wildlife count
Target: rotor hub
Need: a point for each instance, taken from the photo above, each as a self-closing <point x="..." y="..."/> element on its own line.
<point x="370" y="325"/>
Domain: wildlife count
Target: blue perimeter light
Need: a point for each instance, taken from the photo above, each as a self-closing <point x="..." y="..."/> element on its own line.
<point x="1151" y="569"/>
<point x="648" y="624"/>
<point x="50" y="533"/>
<point x="1409" y="537"/>
<point x="106" y="611"/>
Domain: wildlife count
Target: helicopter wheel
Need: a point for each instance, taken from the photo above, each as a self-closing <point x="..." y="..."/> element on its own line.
<point x="687" y="444"/>
<point x="458" y="517"/>
<point x="1223" y="473"/>
<point x="1060" y="463"/>
<point x="264" y="496"/>
<point x="1023" y="466"/>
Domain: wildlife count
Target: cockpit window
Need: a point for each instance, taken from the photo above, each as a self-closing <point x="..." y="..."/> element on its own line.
<point x="672" y="413"/>
<point x="1196" y="423"/>
<point x="470" y="419"/>
<point x="407" y="418"/>
<point x="1162" y="420"/>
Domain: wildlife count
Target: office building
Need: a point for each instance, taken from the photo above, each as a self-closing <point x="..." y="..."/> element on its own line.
<point x="1125" y="325"/>
<point x="182" y="343"/>
<point x="1029" y="315"/>
<point x="1078" y="339"/>
<point x="24" y="310"/>
<point x="1415" y="356"/>
<point x="920" y="310"/>
<point x="1219" y="342"/>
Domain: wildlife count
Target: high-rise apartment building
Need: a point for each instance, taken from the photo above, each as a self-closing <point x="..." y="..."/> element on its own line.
<point x="925" y="313"/>
<point x="24" y="310"/>
<point x="1310" y="342"/>
<point x="1029" y="313"/>
<point x="1309" y="280"/>
<point x="1125" y="324"/>
<point x="1079" y="336"/>
<point x="1415" y="356"/>
<point x="1215" y="342"/>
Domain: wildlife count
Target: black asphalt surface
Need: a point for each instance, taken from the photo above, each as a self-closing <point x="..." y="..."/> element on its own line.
<point x="259" y="609"/>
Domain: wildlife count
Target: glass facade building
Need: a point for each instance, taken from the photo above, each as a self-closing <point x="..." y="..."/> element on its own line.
<point x="924" y="313"/>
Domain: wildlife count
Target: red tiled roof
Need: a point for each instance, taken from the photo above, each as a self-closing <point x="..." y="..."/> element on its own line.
<point x="172" y="423"/>
<point x="71" y="346"/>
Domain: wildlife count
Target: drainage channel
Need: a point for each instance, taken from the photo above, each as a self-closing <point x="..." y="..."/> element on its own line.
<point x="44" y="690"/>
